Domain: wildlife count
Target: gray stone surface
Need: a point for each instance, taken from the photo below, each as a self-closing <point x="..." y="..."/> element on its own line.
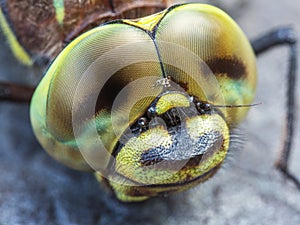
<point x="34" y="189"/>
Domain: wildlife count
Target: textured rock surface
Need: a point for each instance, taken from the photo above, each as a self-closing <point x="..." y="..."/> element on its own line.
<point x="34" y="189"/>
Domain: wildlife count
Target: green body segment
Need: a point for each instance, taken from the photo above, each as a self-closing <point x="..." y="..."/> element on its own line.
<point x="37" y="31"/>
<point x="59" y="10"/>
<point x="85" y="110"/>
<point x="17" y="49"/>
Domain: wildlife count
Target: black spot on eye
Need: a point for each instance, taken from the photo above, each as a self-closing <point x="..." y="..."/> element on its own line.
<point x="109" y="92"/>
<point x="184" y="85"/>
<point x="232" y="67"/>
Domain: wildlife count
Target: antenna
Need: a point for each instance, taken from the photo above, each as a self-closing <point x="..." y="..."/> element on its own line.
<point x="236" y="106"/>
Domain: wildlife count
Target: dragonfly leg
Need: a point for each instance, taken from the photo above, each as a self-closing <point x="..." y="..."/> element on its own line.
<point x="284" y="36"/>
<point x="15" y="93"/>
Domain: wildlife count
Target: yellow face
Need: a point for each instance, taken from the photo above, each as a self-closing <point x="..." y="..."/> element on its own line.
<point x="174" y="146"/>
<point x="135" y="100"/>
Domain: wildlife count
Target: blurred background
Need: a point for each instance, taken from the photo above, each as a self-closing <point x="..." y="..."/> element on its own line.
<point x="35" y="189"/>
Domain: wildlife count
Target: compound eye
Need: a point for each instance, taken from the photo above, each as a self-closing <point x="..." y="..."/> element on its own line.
<point x="203" y="107"/>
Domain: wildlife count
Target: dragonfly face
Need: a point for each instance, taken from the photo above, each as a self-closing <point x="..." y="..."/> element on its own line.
<point x="136" y="100"/>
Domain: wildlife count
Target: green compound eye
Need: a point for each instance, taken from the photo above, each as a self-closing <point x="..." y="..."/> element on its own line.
<point x="123" y="99"/>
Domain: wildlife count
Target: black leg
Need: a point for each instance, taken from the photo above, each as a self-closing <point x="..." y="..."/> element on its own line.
<point x="15" y="93"/>
<point x="280" y="37"/>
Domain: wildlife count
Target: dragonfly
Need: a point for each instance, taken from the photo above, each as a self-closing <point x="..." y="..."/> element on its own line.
<point x="144" y="94"/>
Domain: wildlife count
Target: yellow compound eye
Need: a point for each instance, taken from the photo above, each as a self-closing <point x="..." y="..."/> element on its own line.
<point x="87" y="110"/>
